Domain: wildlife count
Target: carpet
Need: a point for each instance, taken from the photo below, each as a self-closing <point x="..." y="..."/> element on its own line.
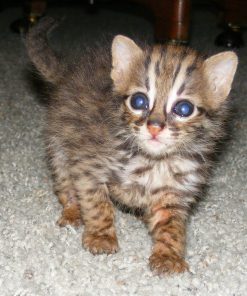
<point x="39" y="258"/>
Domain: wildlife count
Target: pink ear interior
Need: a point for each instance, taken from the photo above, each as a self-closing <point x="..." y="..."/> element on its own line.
<point x="220" y="70"/>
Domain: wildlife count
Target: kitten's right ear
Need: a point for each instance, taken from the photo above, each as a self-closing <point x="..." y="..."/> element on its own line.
<point x="220" y="70"/>
<point x="124" y="53"/>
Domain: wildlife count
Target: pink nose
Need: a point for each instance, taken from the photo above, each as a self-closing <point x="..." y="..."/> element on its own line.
<point x="154" y="129"/>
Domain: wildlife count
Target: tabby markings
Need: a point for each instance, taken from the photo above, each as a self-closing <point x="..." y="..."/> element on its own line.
<point x="177" y="87"/>
<point x="152" y="84"/>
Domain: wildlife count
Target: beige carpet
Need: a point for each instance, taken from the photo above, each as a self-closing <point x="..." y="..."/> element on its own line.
<point x="39" y="258"/>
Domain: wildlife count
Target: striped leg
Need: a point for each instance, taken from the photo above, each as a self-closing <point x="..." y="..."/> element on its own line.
<point x="98" y="216"/>
<point x="71" y="213"/>
<point x="64" y="189"/>
<point x="167" y="223"/>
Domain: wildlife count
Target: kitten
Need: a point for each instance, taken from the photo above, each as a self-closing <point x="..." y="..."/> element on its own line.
<point x="135" y="127"/>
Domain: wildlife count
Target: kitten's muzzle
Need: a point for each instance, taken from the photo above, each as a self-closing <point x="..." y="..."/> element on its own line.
<point x="155" y="126"/>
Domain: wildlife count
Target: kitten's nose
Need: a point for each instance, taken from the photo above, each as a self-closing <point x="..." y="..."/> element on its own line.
<point x="155" y="127"/>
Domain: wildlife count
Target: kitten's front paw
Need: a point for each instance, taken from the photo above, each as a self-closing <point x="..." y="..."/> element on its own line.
<point x="167" y="264"/>
<point x="100" y="244"/>
<point x="70" y="216"/>
<point x="63" y="221"/>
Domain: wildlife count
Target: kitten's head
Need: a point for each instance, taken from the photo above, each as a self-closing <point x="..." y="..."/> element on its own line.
<point x="173" y="97"/>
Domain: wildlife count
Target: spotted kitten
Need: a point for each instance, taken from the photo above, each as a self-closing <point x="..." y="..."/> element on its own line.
<point x="137" y="128"/>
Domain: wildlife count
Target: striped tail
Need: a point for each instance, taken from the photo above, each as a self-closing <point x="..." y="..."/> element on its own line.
<point x="42" y="56"/>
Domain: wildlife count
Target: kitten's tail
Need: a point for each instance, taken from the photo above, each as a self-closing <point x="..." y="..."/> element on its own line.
<point x="43" y="57"/>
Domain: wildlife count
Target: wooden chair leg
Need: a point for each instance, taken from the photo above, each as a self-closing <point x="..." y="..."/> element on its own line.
<point x="172" y="20"/>
<point x="234" y="16"/>
<point x="35" y="9"/>
<point x="32" y="11"/>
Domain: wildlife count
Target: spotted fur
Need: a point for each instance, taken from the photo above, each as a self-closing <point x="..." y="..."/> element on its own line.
<point x="102" y="151"/>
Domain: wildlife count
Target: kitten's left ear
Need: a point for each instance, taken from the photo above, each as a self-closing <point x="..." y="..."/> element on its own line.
<point x="124" y="53"/>
<point x="220" y="70"/>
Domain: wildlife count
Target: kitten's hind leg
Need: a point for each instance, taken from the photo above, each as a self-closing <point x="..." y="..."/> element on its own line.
<point x="63" y="186"/>
<point x="98" y="216"/>
<point x="71" y="213"/>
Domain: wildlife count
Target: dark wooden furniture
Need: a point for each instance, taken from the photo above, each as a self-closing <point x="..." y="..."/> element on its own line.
<point x="171" y="18"/>
<point x="234" y="17"/>
<point x="234" y="11"/>
<point x="32" y="11"/>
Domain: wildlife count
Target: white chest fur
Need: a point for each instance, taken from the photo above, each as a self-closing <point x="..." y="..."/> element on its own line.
<point x="155" y="174"/>
<point x="140" y="171"/>
<point x="141" y="178"/>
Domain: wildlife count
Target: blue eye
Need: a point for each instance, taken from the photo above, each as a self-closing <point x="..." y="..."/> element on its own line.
<point x="183" y="108"/>
<point x="139" y="101"/>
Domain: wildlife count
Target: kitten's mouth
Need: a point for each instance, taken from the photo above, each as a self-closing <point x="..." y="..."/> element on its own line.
<point x="155" y="147"/>
<point x="154" y="141"/>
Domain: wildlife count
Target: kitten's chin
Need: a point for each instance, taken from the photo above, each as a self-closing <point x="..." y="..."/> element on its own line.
<point x="155" y="148"/>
